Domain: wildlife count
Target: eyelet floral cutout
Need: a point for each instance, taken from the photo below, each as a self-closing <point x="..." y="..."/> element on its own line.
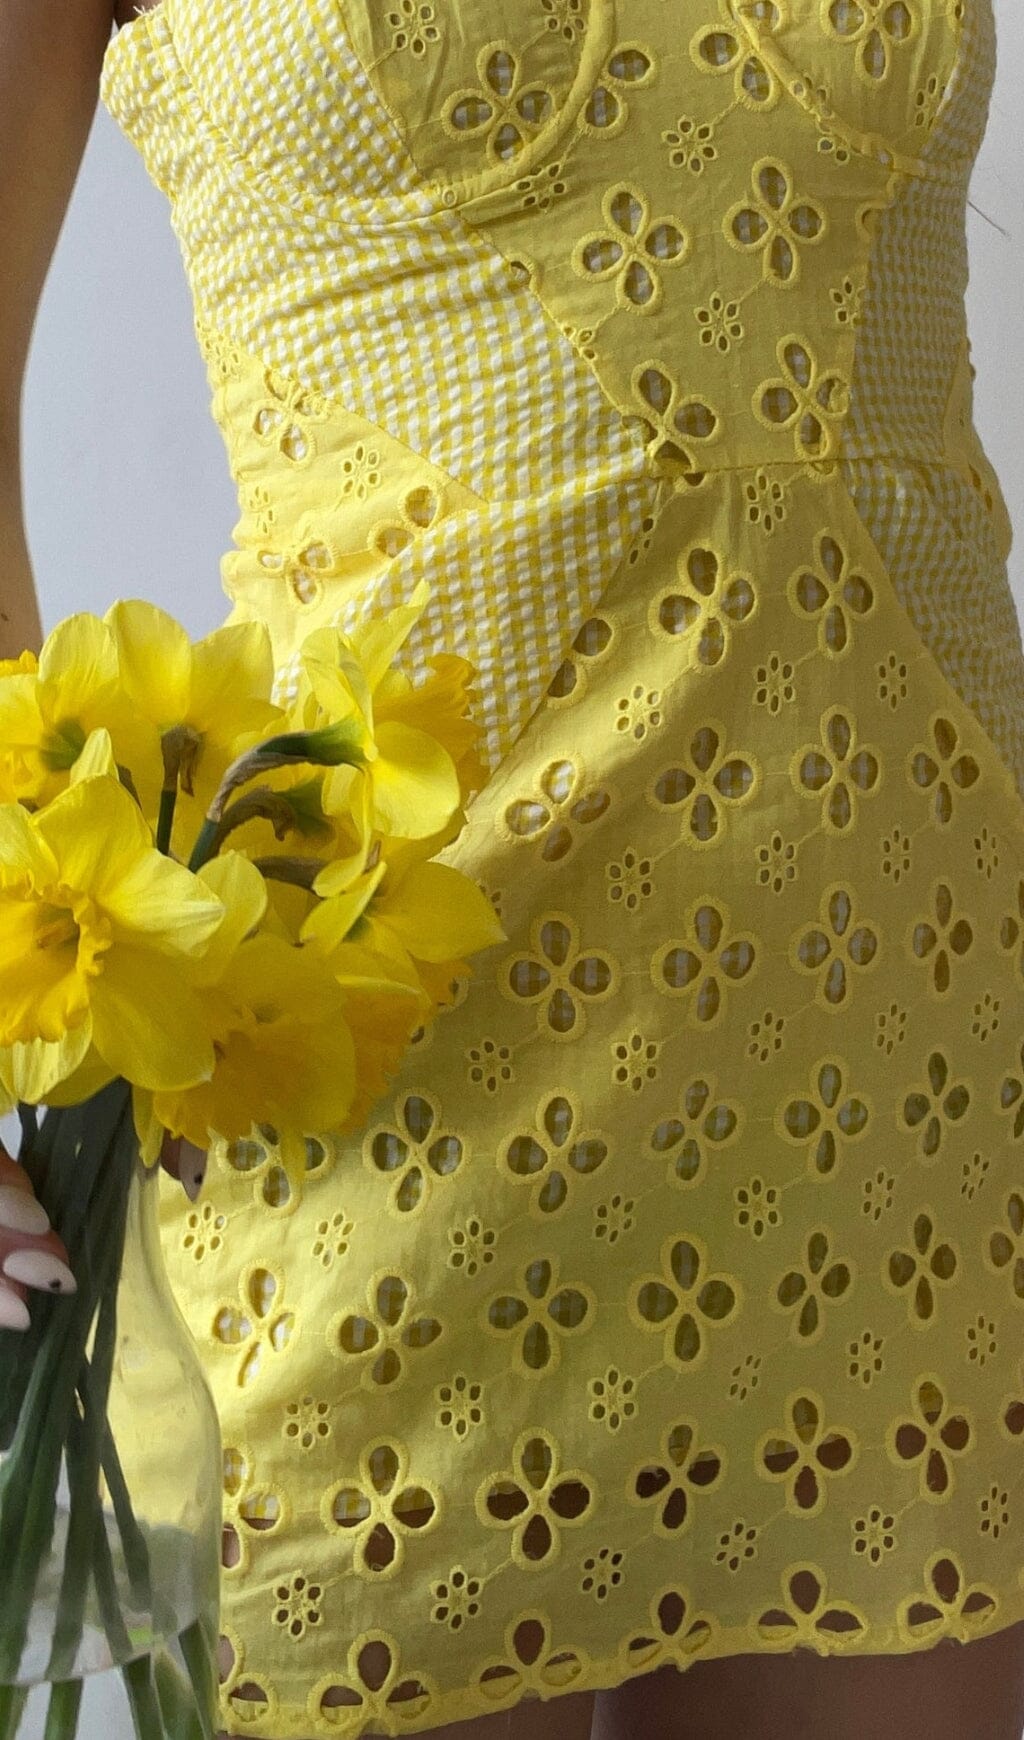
<point x="702" y="968"/>
<point x="559" y="978"/>
<point x="381" y="1511"/>
<point x="691" y="144"/>
<point x="804" y="399"/>
<point x="382" y="1339"/>
<point x="561" y="807"/>
<point x="806" y="1292"/>
<point x="539" y="1314"/>
<point x="632" y="250"/>
<point x="777" y="225"/>
<point x="920" y="1269"/>
<point x="931" y="1439"/>
<point x="536" y="1499"/>
<point x="256" y="1326"/>
<point x="723" y="50"/>
<point x="675" y="1483"/>
<point x="502" y="110"/>
<point x="681" y="426"/>
<point x="809" y="1615"/>
<point x="414" y="27"/>
<point x="686" y="1303"/>
<point x="829" y="1121"/>
<point x="554" y="1154"/>
<point x="876" y="27"/>
<point x="806" y="1454"/>
<point x="531" y="1662"/>
<point x="567" y="17"/>
<point x="692" y="1138"/>
<point x="287" y="417"/>
<point x="832" y="597"/>
<point x="706" y="611"/>
<point x="607" y="108"/>
<point x="413" y="1153"/>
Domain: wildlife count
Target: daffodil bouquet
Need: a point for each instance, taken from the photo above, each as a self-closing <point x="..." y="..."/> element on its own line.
<point x="216" y="912"/>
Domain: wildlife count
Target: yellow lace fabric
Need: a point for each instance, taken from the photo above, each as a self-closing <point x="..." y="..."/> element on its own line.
<point x="669" y="1305"/>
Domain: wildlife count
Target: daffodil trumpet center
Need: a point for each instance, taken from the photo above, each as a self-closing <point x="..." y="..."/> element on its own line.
<point x="52" y="941"/>
<point x="62" y="745"/>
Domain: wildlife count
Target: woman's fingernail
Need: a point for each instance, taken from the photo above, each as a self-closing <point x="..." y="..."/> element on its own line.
<point x="192" y="1161"/>
<point x="20" y="1212"/>
<point x="39" y="1269"/>
<point x="13" y="1311"/>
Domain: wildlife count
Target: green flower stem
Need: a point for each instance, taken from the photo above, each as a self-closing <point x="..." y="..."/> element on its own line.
<point x="28" y="1485"/>
<point x="85" y="1438"/>
<point x="206" y="845"/>
<point x="165" y="822"/>
<point x="12" y="1707"/>
<point x="110" y="1606"/>
<point x="182" y="1711"/>
<point x="195" y="1647"/>
<point x="331" y="746"/>
<point x="136" y="1547"/>
<point x="263" y="803"/>
<point x="302" y="872"/>
<point x="141" y="1688"/>
<point x="62" y="1711"/>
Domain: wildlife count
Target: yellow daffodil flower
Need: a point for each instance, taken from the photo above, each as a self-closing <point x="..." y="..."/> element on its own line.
<point x="413" y="778"/>
<point x="47" y="713"/>
<point x="282" y="1043"/>
<point x="214" y="695"/>
<point x="97" y="930"/>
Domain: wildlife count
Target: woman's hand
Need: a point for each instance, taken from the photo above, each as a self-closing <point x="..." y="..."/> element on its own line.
<point x="31" y="1254"/>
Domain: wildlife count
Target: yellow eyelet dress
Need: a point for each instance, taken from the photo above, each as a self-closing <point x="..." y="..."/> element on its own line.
<point x="670" y="1304"/>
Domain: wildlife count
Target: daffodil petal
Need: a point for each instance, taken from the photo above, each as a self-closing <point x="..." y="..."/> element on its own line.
<point x="103" y="845"/>
<point x="165" y="905"/>
<point x="148" y="1022"/>
<point x="337" y="915"/>
<point x="97" y="758"/>
<point x="415" y="782"/>
<point x="439" y="914"/>
<point x="78" y="664"/>
<point x="154" y="660"/>
<point x="240" y="888"/>
<point x="22" y="851"/>
<point x="61" y="1074"/>
<point x="95" y="831"/>
<point x="377" y="641"/>
<point x="233" y="666"/>
<point x="148" y="1127"/>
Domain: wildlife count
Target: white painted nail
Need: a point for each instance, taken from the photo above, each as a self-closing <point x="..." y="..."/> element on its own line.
<point x="13" y="1311"/>
<point x="20" y="1212"/>
<point x="39" y="1269"/>
<point x="193" y="1162"/>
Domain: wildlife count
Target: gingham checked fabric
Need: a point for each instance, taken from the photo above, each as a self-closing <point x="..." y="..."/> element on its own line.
<point x="941" y="526"/>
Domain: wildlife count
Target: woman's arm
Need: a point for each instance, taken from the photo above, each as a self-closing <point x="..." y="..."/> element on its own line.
<point x="50" y="60"/>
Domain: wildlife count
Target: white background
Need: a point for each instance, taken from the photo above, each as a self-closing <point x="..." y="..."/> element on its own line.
<point x="127" y="490"/>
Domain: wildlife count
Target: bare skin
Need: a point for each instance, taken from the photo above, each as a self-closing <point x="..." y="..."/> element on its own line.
<point x="49" y="81"/>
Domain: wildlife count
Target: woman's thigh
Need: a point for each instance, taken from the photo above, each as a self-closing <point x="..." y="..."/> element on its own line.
<point x="972" y="1691"/>
<point x="564" y="1718"/>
